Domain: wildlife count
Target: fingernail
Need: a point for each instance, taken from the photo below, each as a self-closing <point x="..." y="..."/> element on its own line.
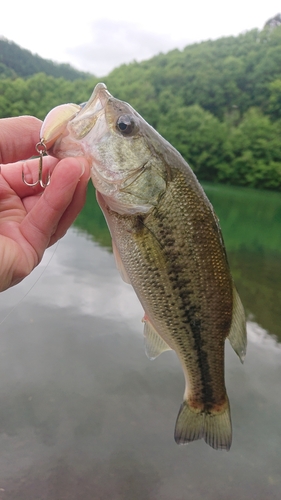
<point x="83" y="168"/>
<point x="82" y="165"/>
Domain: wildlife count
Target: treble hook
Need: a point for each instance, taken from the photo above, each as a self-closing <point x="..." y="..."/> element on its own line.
<point x="41" y="149"/>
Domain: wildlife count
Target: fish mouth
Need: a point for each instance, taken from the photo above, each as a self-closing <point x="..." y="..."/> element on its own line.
<point x="88" y="117"/>
<point x="98" y="99"/>
<point x="58" y="119"/>
<point x="95" y="106"/>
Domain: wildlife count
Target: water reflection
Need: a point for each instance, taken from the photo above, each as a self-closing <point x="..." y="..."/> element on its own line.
<point x="85" y="415"/>
<point x="250" y="221"/>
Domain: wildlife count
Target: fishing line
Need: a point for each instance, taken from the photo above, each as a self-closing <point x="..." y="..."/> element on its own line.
<point x="32" y="286"/>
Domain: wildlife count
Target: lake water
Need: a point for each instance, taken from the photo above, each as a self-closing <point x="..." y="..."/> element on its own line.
<point x="85" y="415"/>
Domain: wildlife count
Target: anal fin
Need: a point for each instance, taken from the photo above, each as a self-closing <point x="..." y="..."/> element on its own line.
<point x="154" y="344"/>
<point x="238" y="335"/>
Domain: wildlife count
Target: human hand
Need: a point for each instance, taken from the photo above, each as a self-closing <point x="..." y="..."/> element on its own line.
<point x="32" y="219"/>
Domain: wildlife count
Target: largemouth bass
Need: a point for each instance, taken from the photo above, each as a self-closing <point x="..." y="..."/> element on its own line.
<point x="167" y="244"/>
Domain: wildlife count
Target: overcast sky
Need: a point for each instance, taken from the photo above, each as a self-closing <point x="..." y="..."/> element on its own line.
<point x="97" y="36"/>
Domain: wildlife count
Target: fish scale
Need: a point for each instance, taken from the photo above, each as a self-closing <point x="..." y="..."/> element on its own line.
<point x="185" y="324"/>
<point x="167" y="244"/>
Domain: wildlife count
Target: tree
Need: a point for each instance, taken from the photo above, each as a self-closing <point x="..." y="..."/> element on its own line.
<point x="198" y="136"/>
<point x="256" y="151"/>
<point x="274" y="104"/>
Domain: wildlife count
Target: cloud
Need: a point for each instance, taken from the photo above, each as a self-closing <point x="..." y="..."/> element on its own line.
<point x="115" y="42"/>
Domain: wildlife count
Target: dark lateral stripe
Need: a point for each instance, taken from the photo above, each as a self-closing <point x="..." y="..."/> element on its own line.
<point x="207" y="393"/>
<point x="181" y="284"/>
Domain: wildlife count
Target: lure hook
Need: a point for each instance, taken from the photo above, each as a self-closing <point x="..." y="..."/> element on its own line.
<point x="41" y="149"/>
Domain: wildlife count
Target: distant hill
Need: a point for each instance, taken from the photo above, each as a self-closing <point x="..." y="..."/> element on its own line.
<point x="226" y="76"/>
<point x="273" y="22"/>
<point x="218" y="102"/>
<point x="18" y="62"/>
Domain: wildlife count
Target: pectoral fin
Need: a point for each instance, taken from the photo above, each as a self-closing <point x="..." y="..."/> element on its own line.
<point x="154" y="344"/>
<point x="238" y="335"/>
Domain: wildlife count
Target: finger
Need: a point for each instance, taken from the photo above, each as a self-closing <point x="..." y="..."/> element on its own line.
<point x="73" y="209"/>
<point x="42" y="221"/>
<point x="18" y="137"/>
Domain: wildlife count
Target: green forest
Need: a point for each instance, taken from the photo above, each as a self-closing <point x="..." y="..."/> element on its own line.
<point x="218" y="102"/>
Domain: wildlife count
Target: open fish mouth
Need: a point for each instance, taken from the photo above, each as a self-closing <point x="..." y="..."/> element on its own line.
<point x="97" y="101"/>
<point x="74" y="118"/>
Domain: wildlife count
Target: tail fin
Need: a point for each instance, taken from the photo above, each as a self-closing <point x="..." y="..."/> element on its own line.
<point x="214" y="427"/>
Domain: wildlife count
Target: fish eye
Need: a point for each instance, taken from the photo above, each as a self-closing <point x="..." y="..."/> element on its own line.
<point x="125" y="124"/>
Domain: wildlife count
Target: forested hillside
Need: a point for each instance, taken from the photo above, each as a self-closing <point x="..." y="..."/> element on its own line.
<point x="218" y="102"/>
<point x="18" y="62"/>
